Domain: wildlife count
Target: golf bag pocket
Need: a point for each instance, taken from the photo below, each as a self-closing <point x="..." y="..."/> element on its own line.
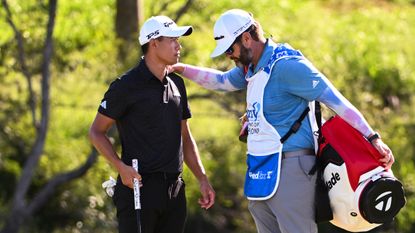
<point x="363" y="195"/>
<point x="262" y="176"/>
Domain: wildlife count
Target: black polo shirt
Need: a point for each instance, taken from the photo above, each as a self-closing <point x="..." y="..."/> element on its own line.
<point x="148" y="115"/>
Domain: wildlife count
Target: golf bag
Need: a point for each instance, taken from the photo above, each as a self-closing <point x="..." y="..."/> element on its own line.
<point x="363" y="195"/>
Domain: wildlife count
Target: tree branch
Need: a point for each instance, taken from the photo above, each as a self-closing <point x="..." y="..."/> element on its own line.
<point x="48" y="190"/>
<point x="19" y="214"/>
<point x="185" y="7"/>
<point x="163" y="7"/>
<point x="37" y="148"/>
<point x="223" y="102"/>
<point x="22" y="61"/>
<point x="183" y="10"/>
<point x="208" y="95"/>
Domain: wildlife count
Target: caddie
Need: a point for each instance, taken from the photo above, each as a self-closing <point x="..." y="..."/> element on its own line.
<point x="280" y="83"/>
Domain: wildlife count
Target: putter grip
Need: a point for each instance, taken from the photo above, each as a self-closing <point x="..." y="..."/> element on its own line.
<point x="137" y="203"/>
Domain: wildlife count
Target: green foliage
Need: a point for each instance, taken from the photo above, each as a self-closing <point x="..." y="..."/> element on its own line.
<point x="364" y="47"/>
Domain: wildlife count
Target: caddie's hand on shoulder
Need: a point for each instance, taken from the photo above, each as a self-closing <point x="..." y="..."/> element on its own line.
<point x="178" y="68"/>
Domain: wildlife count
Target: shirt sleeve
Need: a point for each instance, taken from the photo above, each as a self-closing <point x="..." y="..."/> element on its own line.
<point x="114" y="104"/>
<point x="333" y="99"/>
<point x="299" y="77"/>
<point x="213" y="79"/>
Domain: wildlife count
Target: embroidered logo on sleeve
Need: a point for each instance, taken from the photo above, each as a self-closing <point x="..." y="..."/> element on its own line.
<point x="104" y="104"/>
<point x="315" y="83"/>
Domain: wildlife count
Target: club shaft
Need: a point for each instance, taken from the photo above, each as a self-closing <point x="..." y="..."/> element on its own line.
<point x="137" y="203"/>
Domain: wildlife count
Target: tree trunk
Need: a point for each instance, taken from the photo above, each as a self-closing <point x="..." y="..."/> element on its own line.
<point x="18" y="211"/>
<point x="21" y="208"/>
<point x="128" y="18"/>
<point x="128" y="15"/>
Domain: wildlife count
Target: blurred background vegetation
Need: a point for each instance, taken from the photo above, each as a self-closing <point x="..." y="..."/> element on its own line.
<point x="366" y="48"/>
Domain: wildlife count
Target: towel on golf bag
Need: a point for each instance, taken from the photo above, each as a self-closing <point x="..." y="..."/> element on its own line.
<point x="363" y="195"/>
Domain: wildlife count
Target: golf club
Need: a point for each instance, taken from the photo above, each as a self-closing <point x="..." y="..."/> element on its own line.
<point x="137" y="203"/>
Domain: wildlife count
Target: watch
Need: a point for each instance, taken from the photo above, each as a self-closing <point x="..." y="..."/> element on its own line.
<point x="373" y="137"/>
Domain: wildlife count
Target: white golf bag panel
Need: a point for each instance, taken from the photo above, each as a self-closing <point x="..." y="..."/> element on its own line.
<point x="363" y="195"/>
<point x="344" y="200"/>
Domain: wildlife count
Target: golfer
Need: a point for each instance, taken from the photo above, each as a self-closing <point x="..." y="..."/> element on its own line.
<point x="150" y="110"/>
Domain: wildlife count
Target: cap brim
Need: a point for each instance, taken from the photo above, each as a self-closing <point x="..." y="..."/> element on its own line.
<point x="179" y="31"/>
<point x="221" y="47"/>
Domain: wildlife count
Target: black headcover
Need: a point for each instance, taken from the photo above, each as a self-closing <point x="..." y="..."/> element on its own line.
<point x="381" y="200"/>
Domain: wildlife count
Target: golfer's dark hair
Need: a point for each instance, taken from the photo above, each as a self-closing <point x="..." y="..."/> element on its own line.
<point x="144" y="47"/>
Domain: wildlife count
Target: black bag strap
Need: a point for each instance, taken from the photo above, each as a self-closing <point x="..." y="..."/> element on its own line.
<point x="317" y="165"/>
<point x="318" y="118"/>
<point x="323" y="210"/>
<point x="297" y="124"/>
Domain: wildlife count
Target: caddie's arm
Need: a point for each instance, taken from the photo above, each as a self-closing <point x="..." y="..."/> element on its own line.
<point x="212" y="79"/>
<point x="98" y="137"/>
<point x="333" y="99"/>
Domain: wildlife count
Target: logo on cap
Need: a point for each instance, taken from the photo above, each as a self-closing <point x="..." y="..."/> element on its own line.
<point x="167" y="24"/>
<point x="155" y="33"/>
<point x="219" y="37"/>
<point x="241" y="29"/>
<point x="384" y="201"/>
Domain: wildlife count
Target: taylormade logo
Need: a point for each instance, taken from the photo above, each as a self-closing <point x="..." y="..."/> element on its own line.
<point x="167" y="24"/>
<point x="384" y="201"/>
<point x="333" y="180"/>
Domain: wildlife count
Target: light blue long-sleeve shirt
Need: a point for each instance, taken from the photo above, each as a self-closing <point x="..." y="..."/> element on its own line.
<point x="293" y="83"/>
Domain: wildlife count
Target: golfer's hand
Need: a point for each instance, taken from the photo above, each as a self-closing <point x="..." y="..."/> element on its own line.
<point x="128" y="174"/>
<point x="387" y="157"/>
<point x="208" y="194"/>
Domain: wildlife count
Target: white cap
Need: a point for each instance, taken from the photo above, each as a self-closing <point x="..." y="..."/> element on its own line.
<point x="157" y="26"/>
<point x="230" y="25"/>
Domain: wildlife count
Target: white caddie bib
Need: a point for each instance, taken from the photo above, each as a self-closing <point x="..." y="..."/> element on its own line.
<point x="264" y="146"/>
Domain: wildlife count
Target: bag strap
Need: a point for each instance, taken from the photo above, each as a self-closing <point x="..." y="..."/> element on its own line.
<point x="317" y="111"/>
<point x="294" y="127"/>
<point x="317" y="165"/>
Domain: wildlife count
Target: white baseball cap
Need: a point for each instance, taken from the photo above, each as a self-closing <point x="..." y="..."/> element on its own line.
<point x="230" y="25"/>
<point x="157" y="26"/>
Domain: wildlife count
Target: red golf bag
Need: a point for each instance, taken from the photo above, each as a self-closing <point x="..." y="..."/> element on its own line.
<point x="362" y="194"/>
